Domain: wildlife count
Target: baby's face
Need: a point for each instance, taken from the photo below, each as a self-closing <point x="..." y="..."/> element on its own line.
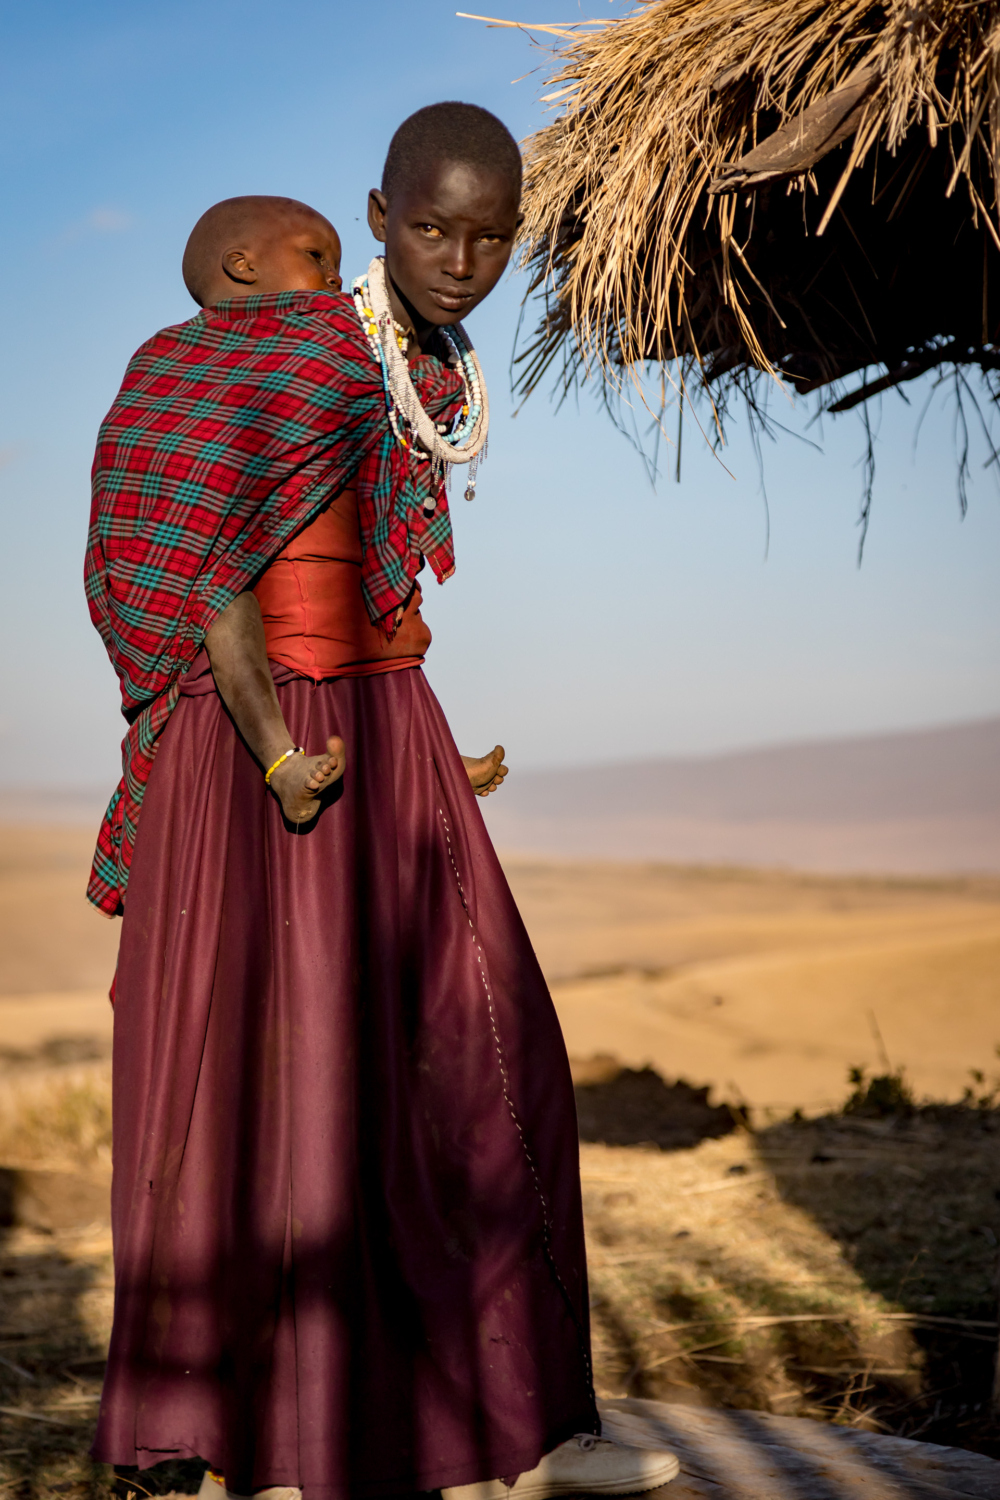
<point x="299" y="254"/>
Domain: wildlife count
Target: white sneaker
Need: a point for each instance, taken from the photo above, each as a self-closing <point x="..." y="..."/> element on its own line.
<point x="211" y="1489"/>
<point x="584" y="1465"/>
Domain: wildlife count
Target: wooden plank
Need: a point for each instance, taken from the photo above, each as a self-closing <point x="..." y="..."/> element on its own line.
<point x="804" y="140"/>
<point x="746" y="1455"/>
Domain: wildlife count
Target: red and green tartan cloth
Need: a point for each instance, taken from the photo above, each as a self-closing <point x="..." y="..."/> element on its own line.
<point x="229" y="434"/>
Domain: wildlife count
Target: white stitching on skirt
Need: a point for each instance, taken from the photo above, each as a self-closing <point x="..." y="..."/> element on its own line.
<point x="512" y="1109"/>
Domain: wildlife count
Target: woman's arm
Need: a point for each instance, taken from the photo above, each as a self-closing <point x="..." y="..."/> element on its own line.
<point x="237" y="651"/>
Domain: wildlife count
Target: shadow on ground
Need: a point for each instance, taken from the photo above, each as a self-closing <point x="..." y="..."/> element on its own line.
<point x="55" y="1290"/>
<point x="50" y="1363"/>
<point x="850" y="1276"/>
<point x="636" y="1107"/>
<point x="910" y="1193"/>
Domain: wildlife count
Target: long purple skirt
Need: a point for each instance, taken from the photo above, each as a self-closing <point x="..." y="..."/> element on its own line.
<point x="348" y="1235"/>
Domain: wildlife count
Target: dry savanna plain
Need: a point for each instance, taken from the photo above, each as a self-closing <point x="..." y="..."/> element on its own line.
<point x="765" y="1232"/>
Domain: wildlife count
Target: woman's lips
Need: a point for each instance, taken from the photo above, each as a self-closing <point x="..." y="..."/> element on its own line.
<point x="451" y="301"/>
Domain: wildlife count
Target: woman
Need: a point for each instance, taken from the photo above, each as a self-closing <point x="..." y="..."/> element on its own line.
<point x="348" y="1236"/>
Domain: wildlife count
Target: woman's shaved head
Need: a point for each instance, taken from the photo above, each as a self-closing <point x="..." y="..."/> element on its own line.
<point x="247" y="246"/>
<point x="451" y="132"/>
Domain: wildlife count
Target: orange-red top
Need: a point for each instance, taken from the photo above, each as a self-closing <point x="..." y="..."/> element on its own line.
<point x="314" y="614"/>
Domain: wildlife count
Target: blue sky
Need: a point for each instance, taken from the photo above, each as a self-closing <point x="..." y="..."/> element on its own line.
<point x="592" y="618"/>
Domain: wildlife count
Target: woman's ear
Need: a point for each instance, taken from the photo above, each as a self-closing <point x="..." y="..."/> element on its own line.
<point x="377" y="205"/>
<point x="237" y="266"/>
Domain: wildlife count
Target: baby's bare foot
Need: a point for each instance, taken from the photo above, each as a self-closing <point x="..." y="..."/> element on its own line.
<point x="485" y="772"/>
<point x="300" y="781"/>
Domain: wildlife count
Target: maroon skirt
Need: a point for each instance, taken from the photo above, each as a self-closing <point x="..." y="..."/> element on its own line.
<point x="348" y="1236"/>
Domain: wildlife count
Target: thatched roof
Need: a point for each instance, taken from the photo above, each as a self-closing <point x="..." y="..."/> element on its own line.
<point x="805" y="186"/>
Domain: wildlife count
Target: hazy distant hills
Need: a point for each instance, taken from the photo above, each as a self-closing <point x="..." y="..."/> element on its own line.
<point x="921" y="802"/>
<point x="924" y="801"/>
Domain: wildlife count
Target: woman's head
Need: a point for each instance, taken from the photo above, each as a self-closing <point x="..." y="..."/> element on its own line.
<point x="448" y="210"/>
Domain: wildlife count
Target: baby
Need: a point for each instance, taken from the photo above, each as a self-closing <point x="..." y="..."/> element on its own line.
<point x="245" y="247"/>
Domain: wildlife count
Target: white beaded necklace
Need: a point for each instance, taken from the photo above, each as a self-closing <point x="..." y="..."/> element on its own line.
<point x="466" y="441"/>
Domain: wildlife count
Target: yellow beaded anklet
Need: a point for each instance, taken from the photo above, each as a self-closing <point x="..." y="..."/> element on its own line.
<point x="295" y="750"/>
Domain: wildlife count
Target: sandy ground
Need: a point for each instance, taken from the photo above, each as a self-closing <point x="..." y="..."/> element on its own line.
<point x="769" y="986"/>
<point x="51" y="941"/>
<point x="766" y="986"/>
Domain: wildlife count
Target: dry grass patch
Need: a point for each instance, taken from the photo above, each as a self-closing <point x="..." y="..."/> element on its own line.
<point x="56" y="1293"/>
<point x="59" y="1118"/>
<point x="841" y="1268"/>
<point x="56" y="1282"/>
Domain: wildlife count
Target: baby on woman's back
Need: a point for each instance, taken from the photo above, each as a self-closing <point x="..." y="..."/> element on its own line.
<point x="257" y="246"/>
<point x="248" y="247"/>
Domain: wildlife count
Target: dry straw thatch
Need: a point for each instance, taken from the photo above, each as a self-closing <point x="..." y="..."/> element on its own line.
<point x="802" y="187"/>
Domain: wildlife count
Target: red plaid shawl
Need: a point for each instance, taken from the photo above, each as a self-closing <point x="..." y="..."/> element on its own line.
<point x="229" y="434"/>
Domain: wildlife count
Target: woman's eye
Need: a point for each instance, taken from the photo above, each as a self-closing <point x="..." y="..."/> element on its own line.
<point x="431" y="229"/>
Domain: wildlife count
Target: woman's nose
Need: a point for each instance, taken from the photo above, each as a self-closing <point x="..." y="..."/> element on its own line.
<point x="458" y="262"/>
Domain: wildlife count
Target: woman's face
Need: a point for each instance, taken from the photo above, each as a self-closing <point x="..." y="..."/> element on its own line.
<point x="448" y="237"/>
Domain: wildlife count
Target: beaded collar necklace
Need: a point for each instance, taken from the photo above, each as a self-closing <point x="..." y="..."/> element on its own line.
<point x="465" y="441"/>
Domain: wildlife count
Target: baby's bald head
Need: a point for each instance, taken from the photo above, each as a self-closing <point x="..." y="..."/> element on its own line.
<point x="243" y="247"/>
